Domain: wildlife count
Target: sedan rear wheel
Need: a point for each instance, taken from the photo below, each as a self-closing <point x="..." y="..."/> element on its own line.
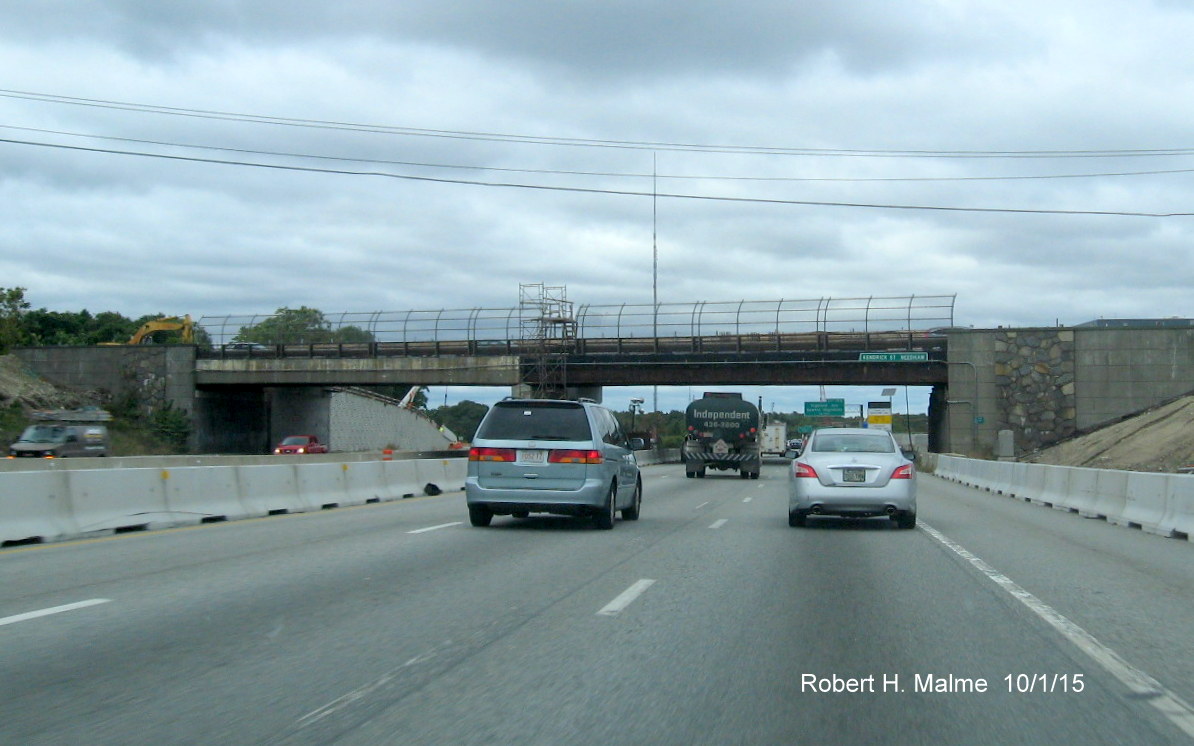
<point x="797" y="519"/>
<point x="905" y="520"/>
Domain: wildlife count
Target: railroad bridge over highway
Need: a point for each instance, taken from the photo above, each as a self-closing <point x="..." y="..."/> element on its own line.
<point x="1041" y="384"/>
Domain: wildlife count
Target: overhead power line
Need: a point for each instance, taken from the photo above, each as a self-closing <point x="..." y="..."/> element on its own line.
<point x="582" y="142"/>
<point x="584" y="190"/>
<point x="618" y="174"/>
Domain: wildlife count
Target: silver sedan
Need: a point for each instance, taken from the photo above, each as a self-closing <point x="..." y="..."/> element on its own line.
<point x="855" y="472"/>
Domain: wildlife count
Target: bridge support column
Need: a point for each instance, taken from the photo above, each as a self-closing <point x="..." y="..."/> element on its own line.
<point x="938" y="422"/>
<point x="231" y="421"/>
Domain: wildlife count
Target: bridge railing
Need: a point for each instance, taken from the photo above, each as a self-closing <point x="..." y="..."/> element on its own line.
<point x="810" y="342"/>
<point x="492" y="328"/>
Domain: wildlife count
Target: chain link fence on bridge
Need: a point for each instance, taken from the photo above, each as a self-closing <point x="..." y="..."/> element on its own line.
<point x="873" y="314"/>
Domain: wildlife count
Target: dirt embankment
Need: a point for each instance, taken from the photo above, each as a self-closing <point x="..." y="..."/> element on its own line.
<point x="21" y="385"/>
<point x="1158" y="440"/>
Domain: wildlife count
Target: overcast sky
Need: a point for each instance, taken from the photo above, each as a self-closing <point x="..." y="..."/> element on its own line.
<point x="1028" y="157"/>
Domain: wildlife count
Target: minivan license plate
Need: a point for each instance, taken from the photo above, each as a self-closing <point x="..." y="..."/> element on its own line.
<point x="532" y="457"/>
<point x="853" y="475"/>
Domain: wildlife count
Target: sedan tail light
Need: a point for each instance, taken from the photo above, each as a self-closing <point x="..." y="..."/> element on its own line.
<point x="491" y="454"/>
<point x="904" y="472"/>
<point x="800" y="470"/>
<point x="574" y="456"/>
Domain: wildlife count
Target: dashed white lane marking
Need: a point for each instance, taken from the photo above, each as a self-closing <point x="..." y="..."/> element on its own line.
<point x="1179" y="712"/>
<point x="626" y="597"/>
<point x="53" y="610"/>
<point x="435" y="528"/>
<point x="747" y="499"/>
<point x="719" y="523"/>
<point x="702" y="505"/>
<point x="340" y="703"/>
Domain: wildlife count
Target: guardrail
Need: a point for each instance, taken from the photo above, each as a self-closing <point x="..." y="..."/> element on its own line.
<point x="1161" y="504"/>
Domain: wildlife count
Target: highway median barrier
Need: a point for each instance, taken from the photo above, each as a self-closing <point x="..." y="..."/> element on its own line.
<point x="364" y="482"/>
<point x="114" y="500"/>
<point x="36" y="507"/>
<point x="55" y="504"/>
<point x="401" y="480"/>
<point x="269" y="490"/>
<point x="446" y="474"/>
<point x="321" y="486"/>
<point x="198" y="494"/>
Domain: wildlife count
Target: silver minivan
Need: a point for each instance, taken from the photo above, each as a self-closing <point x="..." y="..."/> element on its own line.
<point x="61" y="441"/>
<point x="552" y="456"/>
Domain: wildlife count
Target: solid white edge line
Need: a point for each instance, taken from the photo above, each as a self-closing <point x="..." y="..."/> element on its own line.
<point x="626" y="597"/>
<point x="1179" y="712"/>
<point x="53" y="610"/>
<point x="719" y="523"/>
<point x="435" y="528"/>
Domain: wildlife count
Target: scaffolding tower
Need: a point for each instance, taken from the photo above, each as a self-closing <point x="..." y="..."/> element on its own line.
<point x="547" y="329"/>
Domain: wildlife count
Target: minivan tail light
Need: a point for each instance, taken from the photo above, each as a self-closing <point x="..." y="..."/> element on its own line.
<point x="803" y="470"/>
<point x="574" y="456"/>
<point x="903" y="472"/>
<point x="477" y="453"/>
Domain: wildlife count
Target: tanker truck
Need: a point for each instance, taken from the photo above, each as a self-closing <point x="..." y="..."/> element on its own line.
<point x="722" y="432"/>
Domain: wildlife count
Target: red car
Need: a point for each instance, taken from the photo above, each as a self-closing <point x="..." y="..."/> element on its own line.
<point x="301" y="444"/>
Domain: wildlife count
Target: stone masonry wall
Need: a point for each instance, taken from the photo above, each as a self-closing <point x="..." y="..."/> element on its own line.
<point x="1034" y="377"/>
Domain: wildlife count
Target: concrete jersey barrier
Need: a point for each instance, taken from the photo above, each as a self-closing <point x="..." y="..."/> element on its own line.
<point x="1161" y="504"/>
<point x="56" y="505"/>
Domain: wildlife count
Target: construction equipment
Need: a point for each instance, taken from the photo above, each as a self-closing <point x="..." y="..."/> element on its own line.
<point x="144" y="335"/>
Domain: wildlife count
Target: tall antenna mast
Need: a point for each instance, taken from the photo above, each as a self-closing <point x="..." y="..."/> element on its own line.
<point x="655" y="242"/>
<point x="655" y="263"/>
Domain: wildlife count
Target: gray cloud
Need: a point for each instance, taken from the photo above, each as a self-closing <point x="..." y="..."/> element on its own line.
<point x="821" y="87"/>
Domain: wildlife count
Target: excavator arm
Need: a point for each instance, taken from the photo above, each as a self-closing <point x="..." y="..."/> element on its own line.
<point x="165" y="324"/>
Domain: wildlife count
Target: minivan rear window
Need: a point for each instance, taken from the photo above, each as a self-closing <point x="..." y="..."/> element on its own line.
<point x="536" y="421"/>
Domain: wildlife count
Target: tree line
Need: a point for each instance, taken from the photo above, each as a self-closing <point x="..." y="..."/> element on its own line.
<point x="22" y="325"/>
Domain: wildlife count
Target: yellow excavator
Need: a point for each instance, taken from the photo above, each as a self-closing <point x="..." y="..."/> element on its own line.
<point x="144" y="335"/>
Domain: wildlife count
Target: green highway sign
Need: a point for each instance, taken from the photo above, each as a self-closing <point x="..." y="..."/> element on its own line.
<point x="827" y="408"/>
<point x="893" y="357"/>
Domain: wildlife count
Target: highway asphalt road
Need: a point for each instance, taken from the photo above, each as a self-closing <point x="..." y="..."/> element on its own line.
<point x="708" y="621"/>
